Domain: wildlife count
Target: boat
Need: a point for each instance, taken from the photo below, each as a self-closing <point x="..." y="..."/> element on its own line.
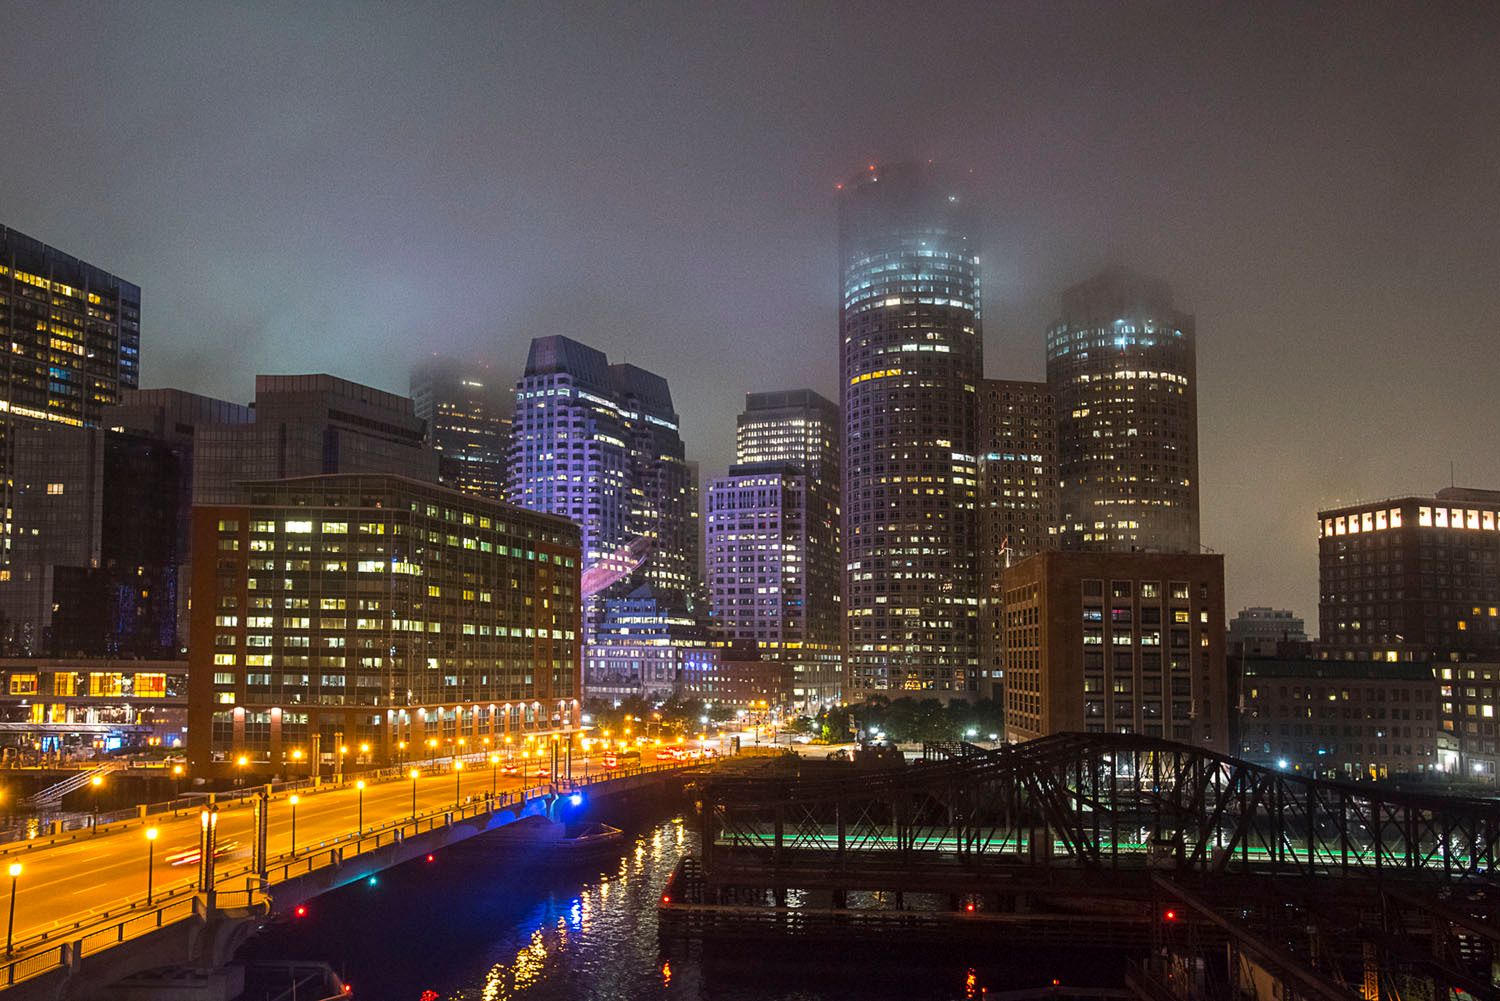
<point x="581" y="843"/>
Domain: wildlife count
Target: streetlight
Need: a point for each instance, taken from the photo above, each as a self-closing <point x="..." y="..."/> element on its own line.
<point x="151" y="836"/>
<point x="360" y="785"/>
<point x="177" y="771"/>
<point x="294" y="799"/>
<point x="458" y="776"/>
<point x="10" y="924"/>
<point x="414" y="773"/>
<point x="494" y="773"/>
<point x="97" y="782"/>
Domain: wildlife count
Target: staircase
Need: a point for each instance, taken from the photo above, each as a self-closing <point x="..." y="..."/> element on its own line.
<point x="53" y="794"/>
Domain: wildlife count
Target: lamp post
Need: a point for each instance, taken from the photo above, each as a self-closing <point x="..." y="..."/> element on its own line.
<point x="525" y="757"/>
<point x="10" y="924"/>
<point x="360" y="785"/>
<point x="414" y="773"/>
<point x="177" y="771"/>
<point x="293" y="800"/>
<point x="98" y="783"/>
<point x="494" y="773"/>
<point x="151" y="836"/>
<point x="458" y="776"/>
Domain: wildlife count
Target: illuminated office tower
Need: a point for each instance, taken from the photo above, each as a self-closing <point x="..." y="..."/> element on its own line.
<point x="774" y="569"/>
<point x="598" y="444"/>
<point x="468" y="410"/>
<point x="1017" y="499"/>
<point x="73" y="343"/>
<point x="1121" y="363"/>
<point x="910" y="366"/>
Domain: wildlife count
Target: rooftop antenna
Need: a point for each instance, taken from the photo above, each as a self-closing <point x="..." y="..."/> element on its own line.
<point x="1452" y="480"/>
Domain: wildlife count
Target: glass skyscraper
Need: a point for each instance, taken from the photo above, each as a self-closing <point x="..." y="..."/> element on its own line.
<point x="910" y="365"/>
<point x="467" y="409"/>
<point x="598" y="444"/>
<point x="1122" y="366"/>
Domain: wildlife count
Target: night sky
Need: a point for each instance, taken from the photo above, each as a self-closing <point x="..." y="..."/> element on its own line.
<point x="344" y="187"/>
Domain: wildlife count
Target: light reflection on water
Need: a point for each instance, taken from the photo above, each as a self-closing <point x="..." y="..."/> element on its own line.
<point x="480" y="924"/>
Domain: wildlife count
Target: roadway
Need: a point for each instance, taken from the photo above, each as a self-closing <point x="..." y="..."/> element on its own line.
<point x="63" y="883"/>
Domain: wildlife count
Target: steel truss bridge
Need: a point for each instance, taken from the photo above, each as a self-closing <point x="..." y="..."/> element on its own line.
<point x="1330" y="886"/>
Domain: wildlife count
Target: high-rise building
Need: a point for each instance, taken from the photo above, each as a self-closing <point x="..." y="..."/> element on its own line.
<point x="598" y="444"/>
<point x="1017" y="443"/>
<point x="774" y="570"/>
<point x="1117" y="642"/>
<point x="1412" y="578"/>
<point x="1469" y="715"/>
<point x="1265" y="632"/>
<point x="73" y="336"/>
<point x="1122" y="365"/>
<point x="375" y="612"/>
<point x="101" y="530"/>
<point x="467" y="410"/>
<point x="311" y="425"/>
<point x="910" y="362"/>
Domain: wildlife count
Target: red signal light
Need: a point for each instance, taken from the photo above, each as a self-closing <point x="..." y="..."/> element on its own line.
<point x="1170" y="915"/>
<point x="429" y="858"/>
<point x="666" y="899"/>
<point x="969" y="906"/>
<point x="301" y="911"/>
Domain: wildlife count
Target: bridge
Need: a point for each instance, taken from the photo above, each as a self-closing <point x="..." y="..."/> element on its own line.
<point x="185" y="885"/>
<point x="1162" y="849"/>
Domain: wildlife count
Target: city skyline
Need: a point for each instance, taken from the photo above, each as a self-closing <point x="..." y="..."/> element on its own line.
<point x="1356" y="151"/>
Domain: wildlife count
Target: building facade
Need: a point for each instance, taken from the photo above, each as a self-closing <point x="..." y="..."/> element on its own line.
<point x="78" y="706"/>
<point x="375" y="613"/>
<point x="311" y="425"/>
<point x="1339" y="720"/>
<point x="774" y="566"/>
<point x="1413" y="578"/>
<point x="467" y="410"/>
<point x="74" y="337"/>
<point x="1117" y="642"/>
<point x="1017" y="443"/>
<point x="1467" y="744"/>
<point x="735" y="676"/>
<point x="1264" y="632"/>
<point x="1122" y="365"/>
<point x="598" y="444"/>
<point x="910" y="362"/>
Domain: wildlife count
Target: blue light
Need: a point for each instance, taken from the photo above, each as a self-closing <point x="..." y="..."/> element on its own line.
<point x="576" y="799"/>
<point x="373" y="880"/>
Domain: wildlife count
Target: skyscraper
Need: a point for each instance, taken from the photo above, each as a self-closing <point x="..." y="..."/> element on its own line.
<point x="468" y="411"/>
<point x="909" y="369"/>
<point x="774" y="570"/>
<point x="73" y="336"/>
<point x="1122" y="364"/>
<point x="1017" y="446"/>
<point x="598" y="444"/>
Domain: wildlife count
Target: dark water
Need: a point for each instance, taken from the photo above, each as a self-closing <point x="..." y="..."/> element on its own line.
<point x="470" y="926"/>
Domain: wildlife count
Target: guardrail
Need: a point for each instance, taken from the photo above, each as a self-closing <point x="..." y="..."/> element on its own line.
<point x="67" y="942"/>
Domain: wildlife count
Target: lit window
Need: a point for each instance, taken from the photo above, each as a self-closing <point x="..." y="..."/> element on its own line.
<point x="54" y="489"/>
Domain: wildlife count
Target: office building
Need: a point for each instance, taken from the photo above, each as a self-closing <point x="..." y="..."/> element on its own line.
<point x="1467" y="745"/>
<point x="1017" y="441"/>
<point x="1412" y="578"/>
<point x="774" y="568"/>
<point x="1339" y="720"/>
<point x="74" y="337"/>
<point x="375" y="613"/>
<point x="910" y="362"/>
<point x="638" y="647"/>
<point x="1121" y="362"/>
<point x="311" y="425"/>
<point x="1117" y="642"/>
<point x="467" y="409"/>
<point x="598" y="444"/>
<point x="734" y="675"/>
<point x="1265" y="632"/>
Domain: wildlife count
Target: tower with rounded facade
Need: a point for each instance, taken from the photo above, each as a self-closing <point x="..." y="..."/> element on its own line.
<point x="910" y="365"/>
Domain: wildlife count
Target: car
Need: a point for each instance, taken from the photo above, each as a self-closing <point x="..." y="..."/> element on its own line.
<point x="510" y="770"/>
<point x="190" y="856"/>
<point x="544" y="773"/>
<point x="611" y="761"/>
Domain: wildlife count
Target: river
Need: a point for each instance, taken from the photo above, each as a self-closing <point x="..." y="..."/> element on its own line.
<point x="468" y="926"/>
